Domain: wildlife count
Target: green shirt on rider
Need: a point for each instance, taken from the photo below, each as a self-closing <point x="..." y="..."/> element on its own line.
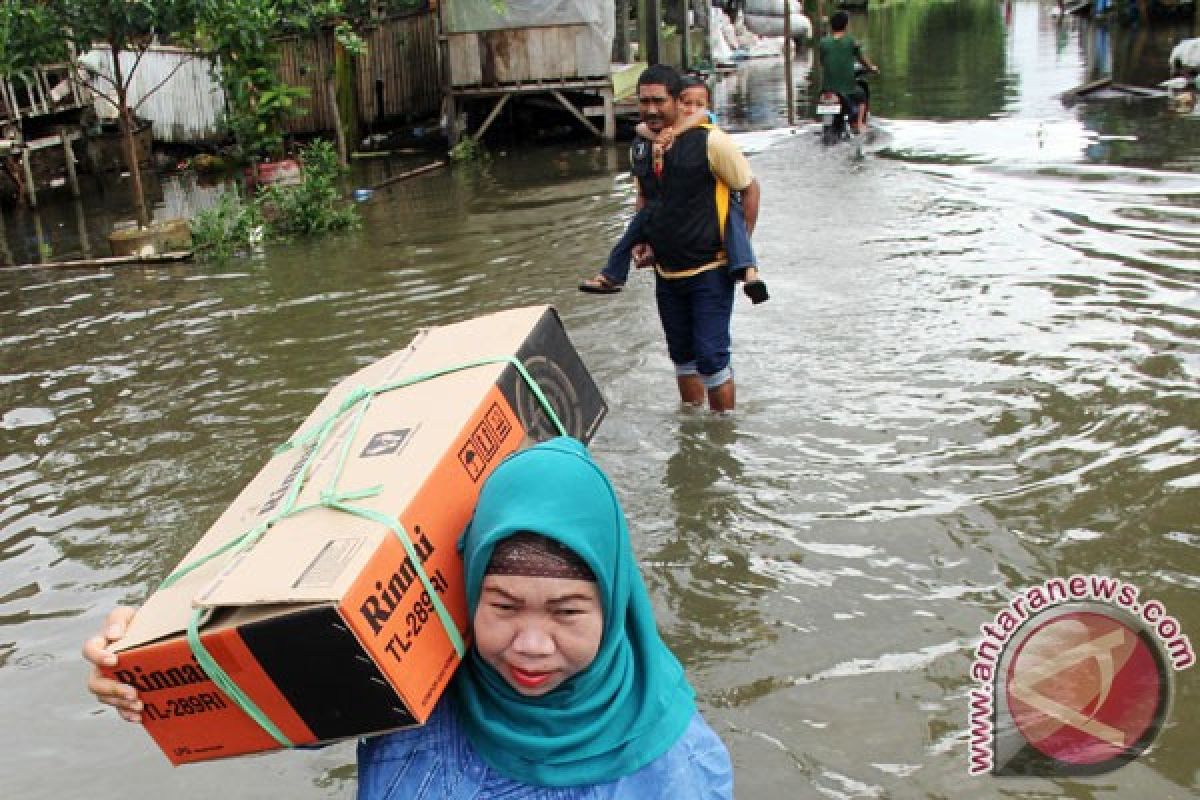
<point x="838" y="56"/>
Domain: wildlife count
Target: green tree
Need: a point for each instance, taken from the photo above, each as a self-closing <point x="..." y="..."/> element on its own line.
<point x="52" y="30"/>
<point x="242" y="34"/>
<point x="28" y="37"/>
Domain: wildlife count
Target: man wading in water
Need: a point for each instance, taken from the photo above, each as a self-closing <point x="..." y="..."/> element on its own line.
<point x="685" y="191"/>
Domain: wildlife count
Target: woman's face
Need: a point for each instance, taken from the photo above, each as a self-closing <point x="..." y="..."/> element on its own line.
<point x="538" y="632"/>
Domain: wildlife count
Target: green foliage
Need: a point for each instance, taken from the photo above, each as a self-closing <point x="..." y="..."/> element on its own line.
<point x="258" y="104"/>
<point x="469" y="150"/>
<point x="28" y="36"/>
<point x="242" y="34"/>
<point x="278" y="212"/>
<point x="124" y="24"/>
<point x="349" y="39"/>
<point x="229" y="226"/>
<point x="40" y="32"/>
<point x="316" y="205"/>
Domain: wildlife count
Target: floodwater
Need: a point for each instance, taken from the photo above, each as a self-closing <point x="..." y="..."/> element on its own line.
<point x="978" y="371"/>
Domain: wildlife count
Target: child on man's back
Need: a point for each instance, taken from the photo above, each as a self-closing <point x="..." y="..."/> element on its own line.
<point x="694" y="101"/>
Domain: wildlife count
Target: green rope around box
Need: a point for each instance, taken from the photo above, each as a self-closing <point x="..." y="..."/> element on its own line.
<point x="357" y="402"/>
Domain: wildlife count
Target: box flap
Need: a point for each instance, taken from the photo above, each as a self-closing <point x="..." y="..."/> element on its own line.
<point x="309" y="557"/>
<point x="315" y="554"/>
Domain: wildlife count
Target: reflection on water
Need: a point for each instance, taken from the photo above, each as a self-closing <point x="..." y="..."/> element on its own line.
<point x="979" y="369"/>
<point x="79" y="228"/>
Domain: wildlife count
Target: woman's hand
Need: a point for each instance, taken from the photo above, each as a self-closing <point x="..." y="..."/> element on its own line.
<point x="120" y="696"/>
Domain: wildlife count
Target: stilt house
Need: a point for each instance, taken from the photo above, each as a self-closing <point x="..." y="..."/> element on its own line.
<point x="560" y="50"/>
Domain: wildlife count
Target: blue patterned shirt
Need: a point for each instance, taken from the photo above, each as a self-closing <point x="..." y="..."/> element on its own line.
<point x="437" y="762"/>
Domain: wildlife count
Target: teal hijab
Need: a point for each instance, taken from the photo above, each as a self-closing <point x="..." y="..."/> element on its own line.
<point x="633" y="703"/>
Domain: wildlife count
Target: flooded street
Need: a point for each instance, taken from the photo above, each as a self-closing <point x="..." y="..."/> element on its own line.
<point x="979" y="369"/>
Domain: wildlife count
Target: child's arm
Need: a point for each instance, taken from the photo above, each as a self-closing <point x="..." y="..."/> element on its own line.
<point x="681" y="126"/>
<point x="643" y="130"/>
<point x="750" y="199"/>
<point x="862" y="59"/>
<point x="691" y="121"/>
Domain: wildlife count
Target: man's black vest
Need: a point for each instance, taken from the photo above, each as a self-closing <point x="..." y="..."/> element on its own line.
<point x="685" y="206"/>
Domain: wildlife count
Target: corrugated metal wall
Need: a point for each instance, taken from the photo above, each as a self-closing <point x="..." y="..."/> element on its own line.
<point x="188" y="108"/>
<point x="399" y="77"/>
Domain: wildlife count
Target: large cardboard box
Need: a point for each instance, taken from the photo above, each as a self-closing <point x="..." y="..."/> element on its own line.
<point x="302" y="594"/>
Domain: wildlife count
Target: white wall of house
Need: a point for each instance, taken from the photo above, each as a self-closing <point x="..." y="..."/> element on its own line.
<point x="187" y="108"/>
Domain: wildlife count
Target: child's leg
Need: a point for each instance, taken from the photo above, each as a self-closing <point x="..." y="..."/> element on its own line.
<point x="740" y="253"/>
<point x="617" y="268"/>
<point x="738" y="249"/>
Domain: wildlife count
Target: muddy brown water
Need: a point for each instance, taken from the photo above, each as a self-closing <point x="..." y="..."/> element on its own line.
<point x="978" y="371"/>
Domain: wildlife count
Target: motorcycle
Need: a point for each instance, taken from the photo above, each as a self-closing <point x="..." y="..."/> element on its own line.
<point x="835" y="111"/>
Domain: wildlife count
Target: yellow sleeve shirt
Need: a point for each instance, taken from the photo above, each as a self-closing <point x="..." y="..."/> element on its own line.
<point x="727" y="162"/>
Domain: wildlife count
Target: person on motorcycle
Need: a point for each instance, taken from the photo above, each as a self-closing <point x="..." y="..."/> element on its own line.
<point x="838" y="54"/>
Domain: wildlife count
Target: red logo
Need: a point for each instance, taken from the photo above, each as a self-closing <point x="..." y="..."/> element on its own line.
<point x="1086" y="690"/>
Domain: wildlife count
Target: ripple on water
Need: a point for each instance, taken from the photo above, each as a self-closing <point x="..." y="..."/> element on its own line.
<point x="26" y="418"/>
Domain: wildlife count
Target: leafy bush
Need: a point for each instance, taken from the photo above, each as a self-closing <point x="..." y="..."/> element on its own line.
<point x="469" y="150"/>
<point x="229" y="226"/>
<point x="314" y="206"/>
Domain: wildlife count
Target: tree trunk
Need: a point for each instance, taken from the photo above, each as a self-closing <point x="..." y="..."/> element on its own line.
<point x="329" y="72"/>
<point x="127" y="126"/>
<point x="339" y="132"/>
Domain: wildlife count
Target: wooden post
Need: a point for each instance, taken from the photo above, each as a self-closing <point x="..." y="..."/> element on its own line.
<point x="40" y="235"/>
<point x="6" y="258"/>
<point x="30" y="188"/>
<point x="452" y="131"/>
<point x="650" y="21"/>
<point x="346" y="99"/>
<point x="787" y="63"/>
<point x="85" y="243"/>
<point x="491" y="117"/>
<point x="621" y="38"/>
<point x="339" y="133"/>
<point x="449" y="107"/>
<point x="684" y="55"/>
<point x="643" y="35"/>
<point x="704" y="16"/>
<point x="69" y="157"/>
<point x="610" y="115"/>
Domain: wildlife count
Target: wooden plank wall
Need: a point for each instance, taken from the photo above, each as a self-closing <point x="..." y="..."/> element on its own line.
<point x="304" y="63"/>
<point x="402" y="56"/>
<point x="525" y="55"/>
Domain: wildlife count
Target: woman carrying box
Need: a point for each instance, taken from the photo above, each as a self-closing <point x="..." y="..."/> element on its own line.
<point x="567" y="690"/>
